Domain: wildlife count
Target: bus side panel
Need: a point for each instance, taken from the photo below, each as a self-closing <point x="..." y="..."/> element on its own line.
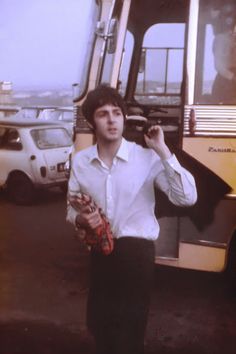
<point x="214" y="237"/>
<point x="218" y="154"/>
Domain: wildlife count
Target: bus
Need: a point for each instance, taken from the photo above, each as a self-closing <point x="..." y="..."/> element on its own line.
<point x="174" y="62"/>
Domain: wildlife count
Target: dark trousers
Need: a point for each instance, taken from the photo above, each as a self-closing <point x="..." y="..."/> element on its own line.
<point x="119" y="296"/>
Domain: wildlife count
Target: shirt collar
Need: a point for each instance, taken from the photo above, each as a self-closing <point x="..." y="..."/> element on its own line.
<point x="122" y="153"/>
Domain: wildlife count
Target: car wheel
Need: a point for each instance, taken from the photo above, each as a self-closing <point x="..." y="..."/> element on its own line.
<point x="20" y="189"/>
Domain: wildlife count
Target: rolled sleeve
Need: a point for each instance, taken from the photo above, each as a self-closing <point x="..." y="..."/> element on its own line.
<point x="180" y="185"/>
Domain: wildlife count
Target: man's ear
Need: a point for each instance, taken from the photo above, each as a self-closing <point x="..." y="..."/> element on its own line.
<point x="91" y="126"/>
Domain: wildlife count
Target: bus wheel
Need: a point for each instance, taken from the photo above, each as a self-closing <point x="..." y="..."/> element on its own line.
<point x="231" y="266"/>
<point x="20" y="189"/>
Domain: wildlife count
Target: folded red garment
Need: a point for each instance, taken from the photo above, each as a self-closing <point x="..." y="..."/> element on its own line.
<point x="100" y="239"/>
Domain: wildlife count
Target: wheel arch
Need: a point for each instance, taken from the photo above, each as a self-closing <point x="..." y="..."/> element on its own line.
<point x="20" y="188"/>
<point x="18" y="172"/>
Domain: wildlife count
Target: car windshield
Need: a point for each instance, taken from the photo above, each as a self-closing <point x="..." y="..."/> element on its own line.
<point x="49" y="138"/>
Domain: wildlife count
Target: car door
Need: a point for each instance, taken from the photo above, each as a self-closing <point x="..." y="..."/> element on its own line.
<point x="12" y="154"/>
<point x="54" y="145"/>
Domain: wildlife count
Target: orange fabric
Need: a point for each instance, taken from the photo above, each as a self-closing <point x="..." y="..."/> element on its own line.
<point x="100" y="239"/>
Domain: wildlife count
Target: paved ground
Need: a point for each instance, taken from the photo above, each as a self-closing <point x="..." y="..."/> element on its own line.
<point x="44" y="281"/>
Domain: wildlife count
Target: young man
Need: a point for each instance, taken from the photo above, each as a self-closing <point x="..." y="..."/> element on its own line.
<point x="120" y="176"/>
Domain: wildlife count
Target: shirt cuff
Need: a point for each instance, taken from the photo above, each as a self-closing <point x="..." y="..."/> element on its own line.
<point x="71" y="215"/>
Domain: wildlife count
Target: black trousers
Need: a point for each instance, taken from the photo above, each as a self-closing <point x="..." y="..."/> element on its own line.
<point x="119" y="297"/>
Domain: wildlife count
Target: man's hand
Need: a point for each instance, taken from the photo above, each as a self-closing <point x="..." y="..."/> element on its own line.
<point x="88" y="219"/>
<point x="87" y="216"/>
<point x="155" y="140"/>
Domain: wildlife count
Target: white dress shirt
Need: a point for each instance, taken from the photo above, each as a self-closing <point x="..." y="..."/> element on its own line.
<point x="125" y="192"/>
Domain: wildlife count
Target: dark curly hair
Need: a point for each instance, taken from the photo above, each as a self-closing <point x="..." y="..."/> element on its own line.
<point x="99" y="97"/>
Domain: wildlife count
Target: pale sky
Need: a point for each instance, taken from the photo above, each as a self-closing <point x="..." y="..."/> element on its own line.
<point x="42" y="42"/>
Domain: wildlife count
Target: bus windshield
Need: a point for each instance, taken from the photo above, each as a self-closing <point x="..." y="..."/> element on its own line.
<point x="216" y="53"/>
<point x="151" y="71"/>
<point x="159" y="78"/>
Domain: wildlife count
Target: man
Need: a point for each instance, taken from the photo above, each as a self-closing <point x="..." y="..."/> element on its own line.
<point x="120" y="177"/>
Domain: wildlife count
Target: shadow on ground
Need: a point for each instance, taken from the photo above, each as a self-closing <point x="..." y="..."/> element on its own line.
<point x="42" y="338"/>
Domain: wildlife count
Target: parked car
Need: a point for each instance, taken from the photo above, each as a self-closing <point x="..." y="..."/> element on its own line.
<point x="8" y="110"/>
<point x="63" y="115"/>
<point x="31" y="112"/>
<point x="33" y="154"/>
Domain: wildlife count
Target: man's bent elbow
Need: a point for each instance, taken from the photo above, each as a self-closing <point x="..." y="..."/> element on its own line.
<point x="191" y="200"/>
<point x="186" y="200"/>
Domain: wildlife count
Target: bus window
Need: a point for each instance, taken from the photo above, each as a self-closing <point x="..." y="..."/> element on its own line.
<point x="107" y="68"/>
<point x="109" y="53"/>
<point x="160" y="78"/>
<point x="126" y="60"/>
<point x="89" y="38"/>
<point x="216" y="53"/>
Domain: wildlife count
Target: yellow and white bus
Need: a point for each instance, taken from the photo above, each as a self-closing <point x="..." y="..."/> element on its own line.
<point x="174" y="62"/>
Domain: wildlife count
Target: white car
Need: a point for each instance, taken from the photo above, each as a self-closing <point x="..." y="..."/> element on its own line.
<point x="33" y="154"/>
<point x="63" y="115"/>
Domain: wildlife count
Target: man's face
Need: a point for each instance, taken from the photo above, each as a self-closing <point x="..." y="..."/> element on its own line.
<point x="109" y="123"/>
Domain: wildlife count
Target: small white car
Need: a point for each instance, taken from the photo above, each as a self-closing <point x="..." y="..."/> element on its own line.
<point x="63" y="115"/>
<point x="33" y="154"/>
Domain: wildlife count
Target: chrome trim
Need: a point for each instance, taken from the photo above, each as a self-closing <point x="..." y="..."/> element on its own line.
<point x="206" y="243"/>
<point x="105" y="36"/>
<point x="172" y="259"/>
<point x="120" y="42"/>
<point x="212" y="120"/>
<point x="230" y="196"/>
<point x="192" y="48"/>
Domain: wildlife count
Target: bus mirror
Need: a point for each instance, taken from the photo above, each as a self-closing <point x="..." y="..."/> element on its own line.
<point x="100" y="28"/>
<point x="112" y="36"/>
<point x="142" y="61"/>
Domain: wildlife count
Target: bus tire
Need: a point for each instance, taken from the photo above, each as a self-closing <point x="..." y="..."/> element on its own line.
<point x="20" y="189"/>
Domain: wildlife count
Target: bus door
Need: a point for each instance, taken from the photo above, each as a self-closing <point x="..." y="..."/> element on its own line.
<point x="173" y="62"/>
<point x="152" y="81"/>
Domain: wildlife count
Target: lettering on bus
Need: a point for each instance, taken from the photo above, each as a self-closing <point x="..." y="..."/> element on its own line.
<point x="221" y="149"/>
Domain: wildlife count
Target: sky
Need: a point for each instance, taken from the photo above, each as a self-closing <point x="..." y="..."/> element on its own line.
<point x="42" y="42"/>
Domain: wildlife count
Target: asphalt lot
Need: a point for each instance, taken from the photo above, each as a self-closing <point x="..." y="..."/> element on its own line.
<point x="44" y="284"/>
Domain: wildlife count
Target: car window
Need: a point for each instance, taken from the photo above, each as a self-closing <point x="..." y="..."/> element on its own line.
<point x="10" y="139"/>
<point x="48" y="138"/>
